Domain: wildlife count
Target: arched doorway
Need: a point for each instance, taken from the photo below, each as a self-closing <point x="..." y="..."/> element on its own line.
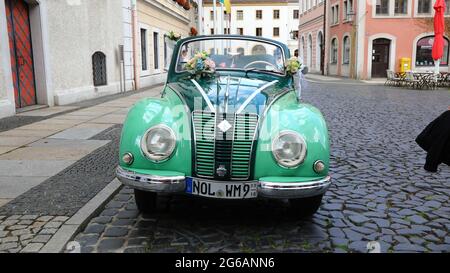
<point x="258" y="50"/>
<point x="319" y="51"/>
<point x="380" y="57"/>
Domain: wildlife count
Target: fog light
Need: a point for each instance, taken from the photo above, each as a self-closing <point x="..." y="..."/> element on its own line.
<point x="319" y="166"/>
<point x="127" y="158"/>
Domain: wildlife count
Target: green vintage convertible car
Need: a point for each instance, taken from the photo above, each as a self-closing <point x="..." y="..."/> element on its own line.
<point x="229" y="124"/>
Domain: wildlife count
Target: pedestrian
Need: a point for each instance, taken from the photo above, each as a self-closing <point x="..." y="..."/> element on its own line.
<point x="435" y="140"/>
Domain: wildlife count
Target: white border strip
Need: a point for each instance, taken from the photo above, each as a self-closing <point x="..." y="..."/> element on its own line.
<point x="257" y="91"/>
<point x="205" y="97"/>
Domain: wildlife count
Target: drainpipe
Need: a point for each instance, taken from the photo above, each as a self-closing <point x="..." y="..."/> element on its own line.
<point x="136" y="70"/>
<point x="324" y="44"/>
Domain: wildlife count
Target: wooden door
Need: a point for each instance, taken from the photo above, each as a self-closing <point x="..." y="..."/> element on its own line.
<point x="380" y="57"/>
<point x="19" y="33"/>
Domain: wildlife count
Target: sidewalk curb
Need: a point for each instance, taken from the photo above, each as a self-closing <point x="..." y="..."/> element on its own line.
<point x="70" y="228"/>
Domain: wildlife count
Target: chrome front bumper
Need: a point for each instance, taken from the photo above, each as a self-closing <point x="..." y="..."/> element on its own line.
<point x="155" y="183"/>
<point x="177" y="184"/>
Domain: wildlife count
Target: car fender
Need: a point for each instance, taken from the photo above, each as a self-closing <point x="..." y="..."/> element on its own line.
<point x="146" y="113"/>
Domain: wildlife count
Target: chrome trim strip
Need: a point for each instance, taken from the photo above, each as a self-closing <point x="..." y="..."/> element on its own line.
<point x="149" y="182"/>
<point x="227" y="94"/>
<point x="294" y="189"/>
<point x="205" y="97"/>
<point x="256" y="92"/>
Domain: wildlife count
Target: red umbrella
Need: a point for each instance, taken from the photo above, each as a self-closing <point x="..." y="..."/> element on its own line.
<point x="439" y="26"/>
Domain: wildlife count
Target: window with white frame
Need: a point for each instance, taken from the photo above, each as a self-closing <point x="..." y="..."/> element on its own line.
<point x="348" y="9"/>
<point x="211" y="15"/>
<point x="382" y="7"/>
<point x="334" y="51"/>
<point x="276" y="32"/>
<point x="156" y="50"/>
<point x="240" y="15"/>
<point x="423" y="52"/>
<point x="258" y="31"/>
<point x="276" y="14"/>
<point x="144" y="65"/>
<point x="259" y="14"/>
<point x="424" y="6"/>
<point x="400" y="7"/>
<point x="296" y="14"/>
<point x="346" y="50"/>
<point x="335" y="14"/>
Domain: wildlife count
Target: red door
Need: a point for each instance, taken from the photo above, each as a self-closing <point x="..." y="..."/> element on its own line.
<point x="21" y="52"/>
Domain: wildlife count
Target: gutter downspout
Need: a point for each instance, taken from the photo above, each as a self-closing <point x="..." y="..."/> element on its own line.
<point x="136" y="70"/>
<point x="324" y="44"/>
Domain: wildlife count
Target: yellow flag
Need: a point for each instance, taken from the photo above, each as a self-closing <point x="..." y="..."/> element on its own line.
<point x="228" y="6"/>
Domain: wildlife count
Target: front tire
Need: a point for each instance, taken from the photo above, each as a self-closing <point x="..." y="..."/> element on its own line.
<point x="306" y="206"/>
<point x="145" y="201"/>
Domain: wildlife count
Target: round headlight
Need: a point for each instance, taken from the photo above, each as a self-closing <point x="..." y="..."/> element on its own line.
<point x="289" y="149"/>
<point x="158" y="143"/>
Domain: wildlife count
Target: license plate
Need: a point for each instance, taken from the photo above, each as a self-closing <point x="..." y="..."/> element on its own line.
<point x="224" y="190"/>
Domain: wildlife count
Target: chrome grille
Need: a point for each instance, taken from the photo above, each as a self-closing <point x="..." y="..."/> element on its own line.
<point x="232" y="149"/>
<point x="204" y="136"/>
<point x="244" y="135"/>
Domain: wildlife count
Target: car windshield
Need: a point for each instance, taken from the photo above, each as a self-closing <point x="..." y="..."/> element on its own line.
<point x="234" y="54"/>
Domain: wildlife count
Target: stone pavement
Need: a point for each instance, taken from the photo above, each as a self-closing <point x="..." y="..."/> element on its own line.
<point x="380" y="197"/>
<point x="50" y="168"/>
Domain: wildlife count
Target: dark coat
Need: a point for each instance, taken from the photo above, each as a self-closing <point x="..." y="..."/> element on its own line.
<point x="435" y="139"/>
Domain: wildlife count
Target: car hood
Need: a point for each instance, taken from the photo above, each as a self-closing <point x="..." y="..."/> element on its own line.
<point x="228" y="93"/>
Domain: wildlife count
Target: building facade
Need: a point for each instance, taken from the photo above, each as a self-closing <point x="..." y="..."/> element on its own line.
<point x="366" y="38"/>
<point x="155" y="18"/>
<point x="59" y="52"/>
<point x="56" y="52"/>
<point x="311" y="34"/>
<point x="276" y="20"/>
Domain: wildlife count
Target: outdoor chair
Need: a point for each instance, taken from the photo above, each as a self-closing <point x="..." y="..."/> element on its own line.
<point x="411" y="81"/>
<point x="392" y="79"/>
<point x="433" y="81"/>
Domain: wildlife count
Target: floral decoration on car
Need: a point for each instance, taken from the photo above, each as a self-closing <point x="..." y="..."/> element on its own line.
<point x="292" y="66"/>
<point x="201" y="65"/>
<point x="173" y="36"/>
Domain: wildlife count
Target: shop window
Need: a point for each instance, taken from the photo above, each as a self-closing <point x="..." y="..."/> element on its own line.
<point x="423" y="52"/>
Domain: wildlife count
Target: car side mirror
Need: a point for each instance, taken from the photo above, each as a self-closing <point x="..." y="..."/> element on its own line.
<point x="305" y="70"/>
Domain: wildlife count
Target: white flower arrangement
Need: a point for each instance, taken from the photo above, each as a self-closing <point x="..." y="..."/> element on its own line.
<point x="201" y="65"/>
<point x="292" y="66"/>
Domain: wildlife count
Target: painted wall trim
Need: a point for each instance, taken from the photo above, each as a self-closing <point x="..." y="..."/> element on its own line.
<point x="392" y="51"/>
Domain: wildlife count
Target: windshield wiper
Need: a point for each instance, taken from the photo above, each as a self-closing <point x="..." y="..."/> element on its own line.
<point x="259" y="70"/>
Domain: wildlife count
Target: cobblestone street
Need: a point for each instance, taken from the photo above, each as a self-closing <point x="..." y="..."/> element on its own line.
<point x="380" y="191"/>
